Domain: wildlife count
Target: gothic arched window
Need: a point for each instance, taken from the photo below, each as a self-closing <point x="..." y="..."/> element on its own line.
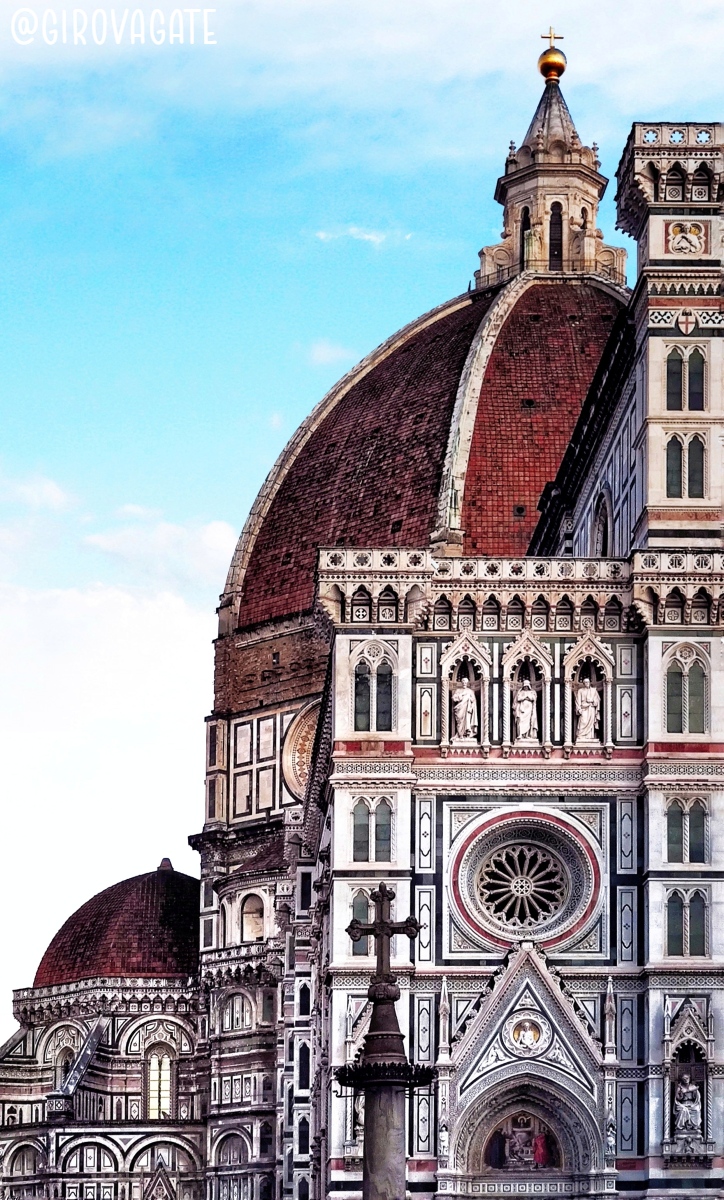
<point x="675" y="699"/>
<point x="674" y="382"/>
<point x="304" y="1064"/>
<point x="687" y="696"/>
<point x="696" y="695"/>
<point x="361" y="912"/>
<point x="305" y="1000"/>
<point x="361" y="832"/>
<point x="383" y="832"/>
<point x="695" y="473"/>
<point x="675" y="833"/>
<point x="158" y="1065"/>
<point x="675" y="925"/>
<point x="265" y="1139"/>
<point x="687" y="917"/>
<point x="252" y="919"/>
<point x="555" y="244"/>
<point x="696" y="381"/>
<point x="524" y="228"/>
<point x="697" y="925"/>
<point x="383" y="722"/>
<point x="697" y="832"/>
<point x="303" y="1190"/>
<point x="303" y="1136"/>
<point x="362" y="697"/>
<point x="674" y="469"/>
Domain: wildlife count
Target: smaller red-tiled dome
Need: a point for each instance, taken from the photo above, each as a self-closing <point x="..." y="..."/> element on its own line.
<point x="145" y="926"/>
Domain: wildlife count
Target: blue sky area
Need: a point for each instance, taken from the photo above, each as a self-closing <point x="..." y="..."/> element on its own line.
<point x="195" y="242"/>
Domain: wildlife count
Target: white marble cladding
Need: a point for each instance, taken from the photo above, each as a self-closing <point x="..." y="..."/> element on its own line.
<point x="358" y="565"/>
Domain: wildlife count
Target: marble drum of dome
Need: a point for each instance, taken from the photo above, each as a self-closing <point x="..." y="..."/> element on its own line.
<point x="525" y="875"/>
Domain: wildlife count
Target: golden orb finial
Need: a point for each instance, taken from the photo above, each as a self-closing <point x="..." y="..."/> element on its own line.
<point x="552" y="62"/>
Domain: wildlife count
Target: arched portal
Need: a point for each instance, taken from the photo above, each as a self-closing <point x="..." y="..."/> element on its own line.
<point x="527" y="1129"/>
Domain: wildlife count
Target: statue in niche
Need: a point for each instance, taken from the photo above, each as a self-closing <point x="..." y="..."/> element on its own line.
<point x="359" y="1116"/>
<point x="443" y="1140"/>
<point x="465" y="709"/>
<point x="687" y="1108"/>
<point x="588" y="710"/>
<point x="525" y="711"/>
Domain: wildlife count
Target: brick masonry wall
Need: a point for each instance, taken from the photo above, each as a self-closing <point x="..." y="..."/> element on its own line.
<point x="247" y="678"/>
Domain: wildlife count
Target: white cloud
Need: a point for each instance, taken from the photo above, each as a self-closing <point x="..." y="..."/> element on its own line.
<point x="137" y="511"/>
<point x="323" y="352"/>
<point x="353" y="231"/>
<point x="35" y="492"/>
<point x="160" y="550"/>
<point x="103" y="693"/>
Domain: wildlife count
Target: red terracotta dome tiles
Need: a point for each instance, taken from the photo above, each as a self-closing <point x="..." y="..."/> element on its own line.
<point x="374" y="461"/>
<point x="541" y="367"/>
<point x="145" y="926"/>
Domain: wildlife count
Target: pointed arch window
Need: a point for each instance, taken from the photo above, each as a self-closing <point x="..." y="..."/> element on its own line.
<point x="362" y="695"/>
<point x="266" y="1142"/>
<point x="687" y="920"/>
<point x="304" y="1065"/>
<point x="674" y="382"/>
<point x="383" y="832"/>
<point x="696" y="696"/>
<point x="674" y="469"/>
<point x="675" y="925"/>
<point x="361" y="832"/>
<point x="252" y="919"/>
<point x="305" y="1000"/>
<point x="697" y="925"/>
<point x="159" y="1088"/>
<point x="374" y="693"/>
<point x="687" y="694"/>
<point x="696" y="381"/>
<point x="555" y="244"/>
<point x="675" y="699"/>
<point x="303" y="1136"/>
<point x="524" y="229"/>
<point x="383" y="722"/>
<point x="372" y="831"/>
<point x="695" y="473"/>
<point x="361" y="912"/>
<point x="675" y="833"/>
<point x="697" y="832"/>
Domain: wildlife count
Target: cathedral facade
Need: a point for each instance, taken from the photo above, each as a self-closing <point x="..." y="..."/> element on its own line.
<point x="470" y="646"/>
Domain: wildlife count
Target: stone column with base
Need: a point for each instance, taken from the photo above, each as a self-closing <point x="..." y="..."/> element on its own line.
<point x="383" y="1070"/>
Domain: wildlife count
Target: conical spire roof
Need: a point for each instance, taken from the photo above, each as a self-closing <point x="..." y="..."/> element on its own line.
<point x="552" y="120"/>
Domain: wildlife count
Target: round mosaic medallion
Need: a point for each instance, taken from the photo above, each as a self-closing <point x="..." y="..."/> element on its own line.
<point x="298" y="746"/>
<point x="525" y="875"/>
<point x="527" y="1034"/>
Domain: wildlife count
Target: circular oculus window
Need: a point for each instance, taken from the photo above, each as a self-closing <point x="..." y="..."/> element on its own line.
<point x="525" y="875"/>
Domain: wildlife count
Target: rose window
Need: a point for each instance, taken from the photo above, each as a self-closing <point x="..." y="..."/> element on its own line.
<point x="521" y="886"/>
<point x="525" y="874"/>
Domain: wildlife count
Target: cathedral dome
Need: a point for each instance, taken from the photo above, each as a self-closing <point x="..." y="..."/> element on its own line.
<point x="444" y="435"/>
<point x="144" y="926"/>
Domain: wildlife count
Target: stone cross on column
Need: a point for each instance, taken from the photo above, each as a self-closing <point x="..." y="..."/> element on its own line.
<point x="383" y="1071"/>
<point x="383" y="929"/>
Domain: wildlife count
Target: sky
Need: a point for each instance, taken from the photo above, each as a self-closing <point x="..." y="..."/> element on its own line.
<point x="196" y="241"/>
